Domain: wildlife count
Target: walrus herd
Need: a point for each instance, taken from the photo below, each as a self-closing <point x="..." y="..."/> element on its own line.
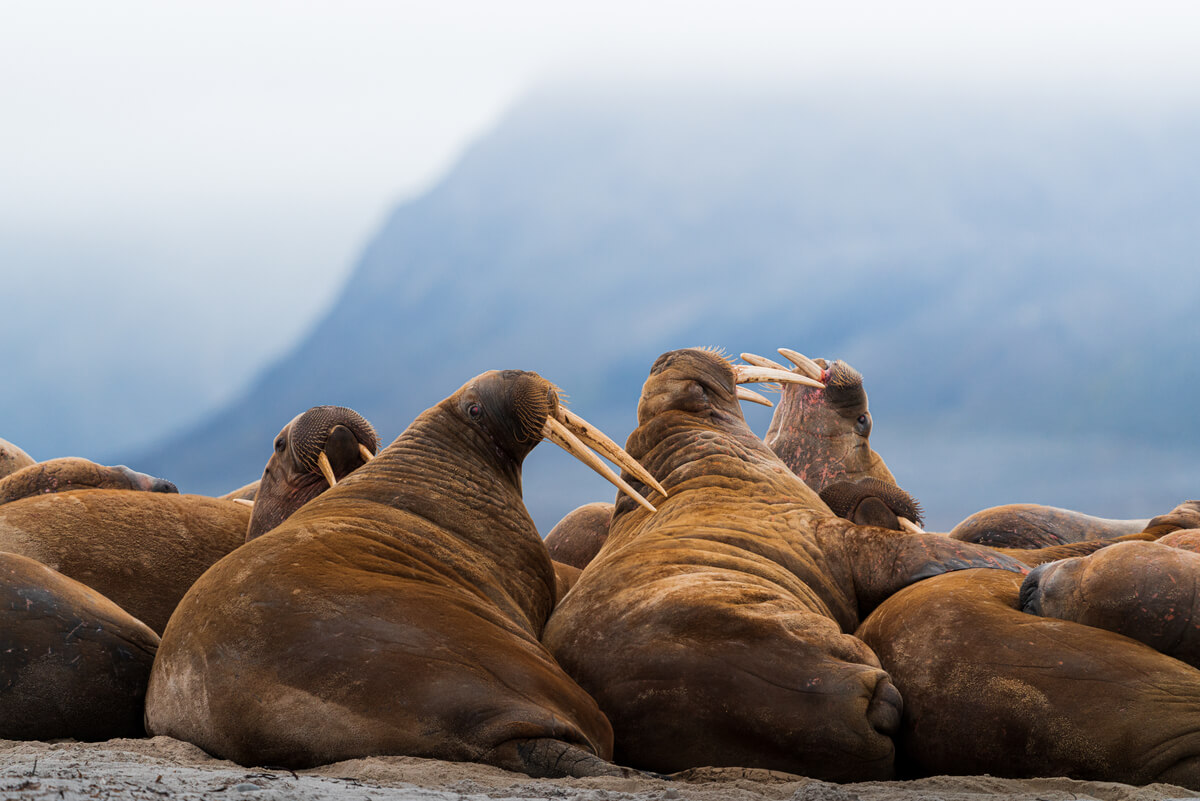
<point x="764" y="603"/>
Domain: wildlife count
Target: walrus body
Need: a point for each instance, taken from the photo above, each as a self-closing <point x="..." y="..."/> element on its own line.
<point x="714" y="632"/>
<point x="63" y="475"/>
<point x="1031" y="525"/>
<point x="72" y="663"/>
<point x="12" y="458"/>
<point x="989" y="689"/>
<point x="578" y="537"/>
<point x="396" y="613"/>
<point x="140" y="549"/>
<point x="1145" y="590"/>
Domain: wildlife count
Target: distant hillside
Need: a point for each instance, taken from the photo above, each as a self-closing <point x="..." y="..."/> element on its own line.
<point x="1017" y="282"/>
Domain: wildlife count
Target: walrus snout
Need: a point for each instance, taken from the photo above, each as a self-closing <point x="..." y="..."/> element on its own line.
<point x="141" y="481"/>
<point x="885" y="707"/>
<point x="1030" y="597"/>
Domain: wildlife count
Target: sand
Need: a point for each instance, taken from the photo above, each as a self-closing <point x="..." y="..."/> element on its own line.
<point x="162" y="768"/>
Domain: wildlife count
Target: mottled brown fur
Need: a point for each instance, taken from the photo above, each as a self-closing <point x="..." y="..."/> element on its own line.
<point x="71" y="473"/>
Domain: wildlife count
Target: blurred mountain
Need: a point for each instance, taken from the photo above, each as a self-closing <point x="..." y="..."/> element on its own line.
<point x="1016" y="278"/>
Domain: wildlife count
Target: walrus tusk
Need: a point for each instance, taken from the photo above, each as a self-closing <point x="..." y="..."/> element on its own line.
<point x="810" y="368"/>
<point x="326" y="469"/>
<point x="746" y="374"/>
<point x="761" y="361"/>
<point x="243" y="502"/>
<point x="909" y="526"/>
<point x="366" y="452"/>
<point x="750" y="395"/>
<point x="561" y="436"/>
<point x="597" y="439"/>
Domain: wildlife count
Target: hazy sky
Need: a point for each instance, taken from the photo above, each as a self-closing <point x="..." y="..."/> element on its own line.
<point x="197" y="178"/>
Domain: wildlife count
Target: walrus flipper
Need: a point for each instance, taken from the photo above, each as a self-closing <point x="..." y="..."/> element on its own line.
<point x="884" y="562"/>
<point x="547" y="758"/>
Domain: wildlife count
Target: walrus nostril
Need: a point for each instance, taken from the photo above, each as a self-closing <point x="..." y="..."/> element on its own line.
<point x="886" y="707"/>
<point x="1030" y="597"/>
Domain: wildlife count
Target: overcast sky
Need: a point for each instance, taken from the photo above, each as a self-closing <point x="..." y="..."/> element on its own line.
<point x="199" y="177"/>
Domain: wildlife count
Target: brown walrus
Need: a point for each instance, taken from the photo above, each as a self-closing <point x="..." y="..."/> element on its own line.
<point x="314" y="451"/>
<point x="71" y="473"/>
<point x="140" y="549"/>
<point x="396" y="613"/>
<point x="72" y="663"/>
<point x="1031" y="525"/>
<point x="1145" y="590"/>
<point x="578" y="537"/>
<point x="988" y="689"/>
<point x="715" y="631"/>
<point x="12" y="458"/>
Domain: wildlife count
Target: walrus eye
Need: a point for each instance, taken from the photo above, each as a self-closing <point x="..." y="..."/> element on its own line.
<point x="280" y="443"/>
<point x="475" y="410"/>
<point x="863" y="426"/>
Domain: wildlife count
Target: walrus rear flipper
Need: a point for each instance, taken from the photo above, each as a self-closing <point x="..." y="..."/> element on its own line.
<point x="547" y="758"/>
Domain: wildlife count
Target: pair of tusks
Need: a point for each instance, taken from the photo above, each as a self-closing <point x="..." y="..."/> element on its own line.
<point x="327" y="469"/>
<point x="578" y="437"/>
<point x="811" y="377"/>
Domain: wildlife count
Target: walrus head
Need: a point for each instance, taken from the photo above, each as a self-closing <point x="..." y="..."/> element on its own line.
<point x="313" y="452"/>
<point x="515" y="410"/>
<point x="823" y="435"/>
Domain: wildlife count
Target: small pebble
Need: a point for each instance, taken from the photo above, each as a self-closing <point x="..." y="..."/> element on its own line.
<point x="246" y="787"/>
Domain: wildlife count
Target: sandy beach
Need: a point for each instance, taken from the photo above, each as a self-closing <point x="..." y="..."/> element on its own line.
<point x="161" y="767"/>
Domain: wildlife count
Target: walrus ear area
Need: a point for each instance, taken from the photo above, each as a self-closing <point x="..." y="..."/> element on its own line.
<point x="845" y="498"/>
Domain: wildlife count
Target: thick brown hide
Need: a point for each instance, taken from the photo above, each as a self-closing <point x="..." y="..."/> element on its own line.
<point x="988" y="689"/>
<point x="1031" y="525"/>
<point x="578" y="537"/>
<point x="396" y="613"/>
<point x="715" y="631"/>
<point x="140" y="549"/>
<point x="62" y="475"/>
<point x="72" y="663"/>
<point x="1144" y="590"/>
<point x="12" y="458"/>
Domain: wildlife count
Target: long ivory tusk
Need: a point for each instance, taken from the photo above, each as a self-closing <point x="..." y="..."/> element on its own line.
<point x="326" y="469"/>
<point x="761" y="361"/>
<point x="744" y="374"/>
<point x="366" y="453"/>
<point x="244" y="502"/>
<point x="561" y="436"/>
<point x="910" y="526"/>
<point x="750" y="395"/>
<point x="810" y="368"/>
<point x="595" y="438"/>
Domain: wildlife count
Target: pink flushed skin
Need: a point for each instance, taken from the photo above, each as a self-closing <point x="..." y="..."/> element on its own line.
<point x="818" y="433"/>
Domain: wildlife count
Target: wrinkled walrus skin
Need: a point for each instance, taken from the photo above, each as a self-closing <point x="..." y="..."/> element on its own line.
<point x="140" y="549"/>
<point x="396" y="613"/>
<point x="988" y="689"/>
<point x="1145" y="590"/>
<point x="1031" y="525"/>
<point x="714" y="632"/>
<point x="72" y="663"/>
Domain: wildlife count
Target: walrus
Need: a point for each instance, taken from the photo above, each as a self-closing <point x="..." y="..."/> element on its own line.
<point x="313" y="451"/>
<point x="717" y="630"/>
<point x="12" y="458"/>
<point x="398" y="612"/>
<point x="578" y="537"/>
<point x="824" y="433"/>
<point x="140" y="549"/>
<point x="1031" y="525"/>
<point x="71" y="473"/>
<point x="1148" y="591"/>
<point x="72" y="663"/>
<point x="989" y="689"/>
